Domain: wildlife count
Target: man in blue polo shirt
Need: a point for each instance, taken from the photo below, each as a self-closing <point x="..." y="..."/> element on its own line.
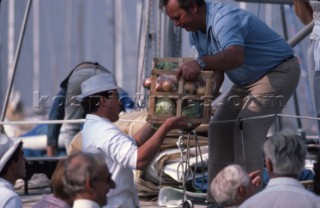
<point x="257" y="60"/>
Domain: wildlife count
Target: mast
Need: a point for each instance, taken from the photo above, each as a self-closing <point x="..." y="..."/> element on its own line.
<point x="36" y="46"/>
<point x="143" y="38"/>
<point x="118" y="39"/>
<point x="68" y="34"/>
<point x="11" y="36"/>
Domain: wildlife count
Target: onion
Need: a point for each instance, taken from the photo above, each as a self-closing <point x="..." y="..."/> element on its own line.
<point x="200" y="82"/>
<point x="201" y="90"/>
<point x="167" y="85"/>
<point x="159" y="86"/>
<point x="161" y="78"/>
<point x="147" y="83"/>
<point x="173" y="77"/>
<point x="189" y="87"/>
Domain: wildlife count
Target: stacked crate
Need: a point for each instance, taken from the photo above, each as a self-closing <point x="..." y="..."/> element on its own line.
<point x="181" y="97"/>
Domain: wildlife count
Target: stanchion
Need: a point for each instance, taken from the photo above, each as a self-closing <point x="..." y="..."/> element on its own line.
<point x="183" y="169"/>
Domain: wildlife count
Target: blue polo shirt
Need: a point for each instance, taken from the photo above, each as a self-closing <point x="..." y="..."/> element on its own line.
<point x="264" y="49"/>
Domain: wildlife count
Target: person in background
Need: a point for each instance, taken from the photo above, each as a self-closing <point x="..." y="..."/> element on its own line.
<point x="53" y="130"/>
<point x="233" y="185"/>
<point x="100" y="100"/>
<point x="59" y="198"/>
<point x="87" y="179"/>
<point x="308" y="11"/>
<point x="12" y="168"/>
<point x="285" y="156"/>
<point x="66" y="107"/>
<point x="235" y="42"/>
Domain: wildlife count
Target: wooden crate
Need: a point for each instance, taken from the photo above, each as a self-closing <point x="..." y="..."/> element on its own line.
<point x="179" y="96"/>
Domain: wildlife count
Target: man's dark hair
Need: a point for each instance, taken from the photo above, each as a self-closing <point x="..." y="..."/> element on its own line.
<point x="184" y="4"/>
<point x="14" y="158"/>
<point x="91" y="103"/>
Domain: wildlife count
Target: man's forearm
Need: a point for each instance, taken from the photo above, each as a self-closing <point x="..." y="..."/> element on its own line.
<point x="144" y="134"/>
<point x="303" y="10"/>
<point x="228" y="59"/>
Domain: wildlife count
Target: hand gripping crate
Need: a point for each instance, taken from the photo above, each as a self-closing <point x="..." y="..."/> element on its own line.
<point x="184" y="96"/>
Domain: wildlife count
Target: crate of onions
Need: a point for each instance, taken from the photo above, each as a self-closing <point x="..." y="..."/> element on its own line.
<point x="169" y="96"/>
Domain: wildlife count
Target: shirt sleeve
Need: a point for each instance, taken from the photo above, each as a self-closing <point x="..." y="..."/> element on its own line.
<point x="122" y="148"/>
<point x="14" y="202"/>
<point x="231" y="28"/>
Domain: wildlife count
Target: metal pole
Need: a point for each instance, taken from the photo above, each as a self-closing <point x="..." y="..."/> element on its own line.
<point x="294" y="41"/>
<point x="295" y="97"/>
<point x="36" y="45"/>
<point x="285" y="34"/>
<point x="142" y="47"/>
<point x="301" y="34"/>
<point x="118" y="48"/>
<point x="16" y="58"/>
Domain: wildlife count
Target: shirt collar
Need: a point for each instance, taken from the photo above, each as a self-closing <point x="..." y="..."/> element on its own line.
<point x="95" y="117"/>
<point x="284" y="181"/>
<point x="7" y="184"/>
<point x="85" y="203"/>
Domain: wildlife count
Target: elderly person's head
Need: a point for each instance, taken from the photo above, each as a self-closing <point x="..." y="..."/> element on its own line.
<point x="285" y="154"/>
<point x="231" y="186"/>
<point x="87" y="177"/>
<point x="58" y="188"/>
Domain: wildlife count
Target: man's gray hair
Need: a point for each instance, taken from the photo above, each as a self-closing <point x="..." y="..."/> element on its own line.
<point x="287" y="153"/>
<point x="225" y="186"/>
<point x="79" y="167"/>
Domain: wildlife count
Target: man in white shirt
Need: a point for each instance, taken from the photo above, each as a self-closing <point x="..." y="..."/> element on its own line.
<point x="100" y="101"/>
<point x="87" y="179"/>
<point x="12" y="168"/>
<point x="285" y="157"/>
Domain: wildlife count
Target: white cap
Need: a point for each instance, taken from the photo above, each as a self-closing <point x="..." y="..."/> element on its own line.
<point x="98" y="83"/>
<point x="7" y="148"/>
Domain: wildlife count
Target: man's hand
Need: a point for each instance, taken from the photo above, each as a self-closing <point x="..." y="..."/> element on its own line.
<point x="189" y="71"/>
<point x="180" y="122"/>
<point x="255" y="177"/>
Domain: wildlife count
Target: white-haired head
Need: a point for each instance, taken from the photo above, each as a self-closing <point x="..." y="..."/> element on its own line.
<point x="226" y="184"/>
<point x="287" y="152"/>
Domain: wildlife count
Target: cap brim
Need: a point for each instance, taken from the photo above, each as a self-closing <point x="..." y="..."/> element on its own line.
<point x="4" y="159"/>
<point x="94" y="91"/>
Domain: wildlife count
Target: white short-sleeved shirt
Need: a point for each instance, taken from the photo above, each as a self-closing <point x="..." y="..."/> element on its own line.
<point x="121" y="157"/>
<point x="283" y="192"/>
<point x="8" y="197"/>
